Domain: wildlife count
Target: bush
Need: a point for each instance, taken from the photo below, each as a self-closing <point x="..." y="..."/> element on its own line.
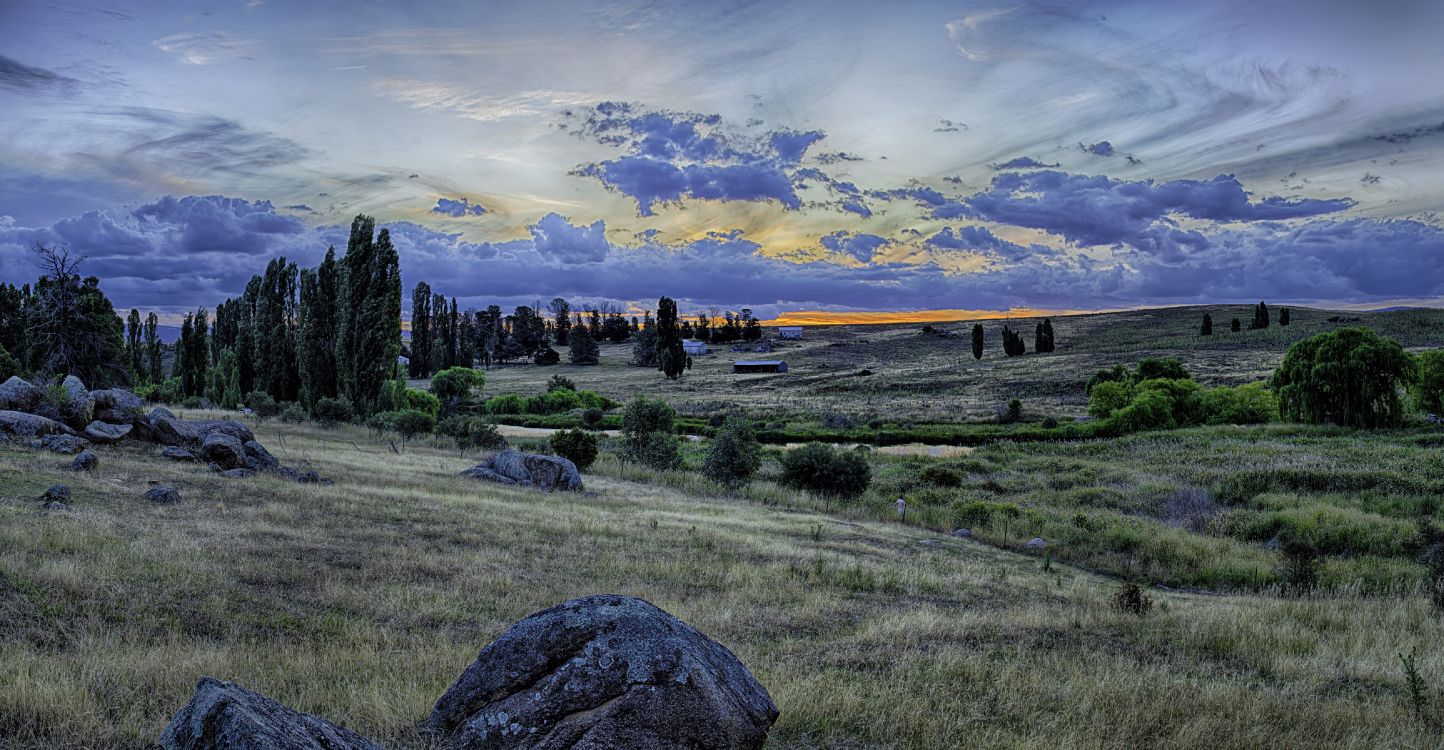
<point x="827" y="471"/>
<point x="1351" y="377"/>
<point x="1160" y="368"/>
<point x="410" y="423"/>
<point x="1015" y="411"/>
<point x="576" y="446"/>
<point x="592" y="418"/>
<point x="9" y="366"/>
<point x="329" y="412"/>
<point x="293" y="413"/>
<point x="560" y="383"/>
<point x="647" y="435"/>
<point x="168" y="392"/>
<point x="1130" y="598"/>
<point x="192" y="402"/>
<point x="1427" y="390"/>
<point x="1300" y="567"/>
<point x="734" y="455"/>
<point x="1108" y="396"/>
<point x="1251" y="403"/>
<point x="422" y="401"/>
<point x="459" y="383"/>
<point x="546" y="357"/>
<point x="261" y="404"/>
<point x="940" y="476"/>
<point x="1118" y="374"/>
<point x="506" y="403"/>
<point x="1050" y="423"/>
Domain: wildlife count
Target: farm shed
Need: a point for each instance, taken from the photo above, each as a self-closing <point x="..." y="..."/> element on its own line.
<point x="759" y="365"/>
<point x="789" y="332"/>
<point x="693" y="346"/>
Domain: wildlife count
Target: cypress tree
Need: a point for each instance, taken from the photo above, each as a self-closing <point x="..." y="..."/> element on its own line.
<point x="440" y="359"/>
<point x="1207" y="328"/>
<point x="977" y="341"/>
<point x="1260" y="317"/>
<point x="420" y="330"/>
<point x="1284" y="316"/>
<point x="453" y="336"/>
<point x="671" y="356"/>
<point x="132" y="346"/>
<point x="1236" y="325"/>
<point x="153" y="349"/>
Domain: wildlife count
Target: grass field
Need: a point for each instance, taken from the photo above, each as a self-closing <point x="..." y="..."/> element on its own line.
<point x="362" y="601"/>
<point x="920" y="378"/>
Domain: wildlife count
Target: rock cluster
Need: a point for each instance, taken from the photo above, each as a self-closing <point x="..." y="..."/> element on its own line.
<point x="72" y="419"/>
<point x="599" y="672"/>
<point x="528" y="470"/>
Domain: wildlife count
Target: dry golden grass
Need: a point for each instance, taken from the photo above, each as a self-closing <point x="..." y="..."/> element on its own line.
<point x="362" y="601"/>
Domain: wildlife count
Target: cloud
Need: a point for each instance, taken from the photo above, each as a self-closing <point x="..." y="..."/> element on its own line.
<point x="457" y="208"/>
<point x="982" y="241"/>
<point x="1404" y="136"/>
<point x="860" y="247"/>
<point x="1101" y="148"/>
<point x="204" y="48"/>
<point x="1022" y="162"/>
<point x="471" y="104"/>
<point x="21" y="77"/>
<point x="556" y="238"/>
<point x="670" y="156"/>
<point x="1098" y="210"/>
<point x="303" y="208"/>
<point x="949" y="126"/>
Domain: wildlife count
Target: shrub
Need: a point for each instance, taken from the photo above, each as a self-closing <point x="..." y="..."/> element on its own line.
<point x="261" y="404"/>
<point x="1015" y="410"/>
<point x="826" y="471"/>
<point x="1148" y="410"/>
<point x="1160" y="368"/>
<point x="547" y="356"/>
<point x="329" y="412"/>
<point x="576" y="446"/>
<point x="1050" y="423"/>
<point x="1250" y="403"/>
<point x="647" y="435"/>
<point x="734" y="455"/>
<point x="1427" y="390"/>
<point x="192" y="402"/>
<point x="293" y="413"/>
<point x="1185" y="396"/>
<point x="459" y="383"/>
<point x="1107" y="396"/>
<point x="506" y="403"/>
<point x="409" y="423"/>
<point x="422" y="401"/>
<point x="592" y="418"/>
<point x="9" y="366"/>
<point x="1300" y="568"/>
<point x="1350" y="376"/>
<point x="1130" y="598"/>
<point x="1117" y="374"/>
<point x="940" y="476"/>
<point x="485" y="436"/>
<point x="560" y="383"/>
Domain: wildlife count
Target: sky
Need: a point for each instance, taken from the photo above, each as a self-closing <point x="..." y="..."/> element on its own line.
<point x="823" y="161"/>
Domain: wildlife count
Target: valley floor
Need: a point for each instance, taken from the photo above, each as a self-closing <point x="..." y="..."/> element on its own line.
<point x="363" y="601"/>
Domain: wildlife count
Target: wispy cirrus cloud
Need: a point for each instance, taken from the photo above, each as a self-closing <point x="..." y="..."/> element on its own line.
<point x="467" y="102"/>
<point x="204" y="48"/>
<point x="21" y="77"/>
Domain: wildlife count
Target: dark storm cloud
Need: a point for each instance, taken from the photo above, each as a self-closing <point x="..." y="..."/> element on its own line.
<point x="859" y="246"/>
<point x="675" y="155"/>
<point x="22" y="77"/>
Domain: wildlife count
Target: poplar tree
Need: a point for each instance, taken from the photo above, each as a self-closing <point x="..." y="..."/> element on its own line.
<point x="153" y="349"/>
<point x="420" y="330"/>
<point x="317" y="355"/>
<point x="671" y="356"/>
<point x="132" y="346"/>
<point x="369" y="327"/>
<point x="561" y="320"/>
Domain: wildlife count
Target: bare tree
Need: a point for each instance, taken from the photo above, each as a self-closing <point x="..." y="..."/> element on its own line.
<point x="58" y="293"/>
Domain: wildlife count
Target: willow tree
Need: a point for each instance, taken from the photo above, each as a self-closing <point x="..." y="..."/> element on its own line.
<point x="1350" y="377"/>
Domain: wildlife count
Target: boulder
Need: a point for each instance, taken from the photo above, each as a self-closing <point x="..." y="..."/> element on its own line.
<point x="226" y="716"/>
<point x="529" y="470"/>
<point x="85" y="460"/>
<point x="604" y="672"/>
<point x="962" y="533"/>
<point x="1035" y="543"/>
<point x="58" y="493"/>
<point x="79" y="408"/>
<point x="67" y="445"/>
<point x="163" y="495"/>
<point x="206" y="427"/>
<point x="118" y="406"/>
<point x="223" y="450"/>
<point x="19" y="395"/>
<point x="166" y="429"/>
<point x="258" y="458"/>
<point x="20" y="424"/>
<point x="177" y="454"/>
<point x="101" y="432"/>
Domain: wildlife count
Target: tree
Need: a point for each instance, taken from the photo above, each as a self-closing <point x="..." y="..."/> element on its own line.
<point x="420" y="366"/>
<point x="317" y="349"/>
<point x="1427" y="390"/>
<point x="368" y="335"/>
<point x="73" y="327"/>
<point x="1351" y="377"/>
<point x="457" y="385"/>
<point x="644" y="348"/>
<point x="1043" y="336"/>
<point x="561" y="311"/>
<point x="1235" y="325"/>
<point x="647" y="433"/>
<point x="734" y="454"/>
<point x="153" y="349"/>
<point x="977" y="341"/>
<point x="224" y="388"/>
<point x="577" y="446"/>
<point x="583" y="348"/>
<point x="671" y="356"/>
<point x="1013" y="343"/>
<point x="1284" y="316"/>
<point x="1207" y="328"/>
<point x="133" y="356"/>
<point x="1260" y="317"/>
<point x="1160" y="368"/>
<point x="410" y="423"/>
<point x="826" y="471"/>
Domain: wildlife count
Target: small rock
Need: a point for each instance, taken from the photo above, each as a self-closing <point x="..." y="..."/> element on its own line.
<point x="226" y="716"/>
<point x="309" y="477"/>
<point x="238" y="473"/>
<point x="962" y="533"/>
<point x="163" y="495"/>
<point x="54" y="506"/>
<point x="85" y="460"/>
<point x="58" y="493"/>
<point x="1035" y="543"/>
<point x="177" y="454"/>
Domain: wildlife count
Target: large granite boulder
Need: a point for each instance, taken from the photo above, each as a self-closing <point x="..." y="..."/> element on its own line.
<point x="224" y="451"/>
<point x="85" y="460"/>
<point x="103" y="433"/>
<point x="528" y="470"/>
<point x="205" y="427"/>
<point x="19" y="395"/>
<point x="226" y="716"/>
<point x="165" y="428"/>
<point x="258" y="458"/>
<point x="118" y="406"/>
<point x="177" y="454"/>
<point x="79" y="408"/>
<point x="23" y="425"/>
<point x="604" y="672"/>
